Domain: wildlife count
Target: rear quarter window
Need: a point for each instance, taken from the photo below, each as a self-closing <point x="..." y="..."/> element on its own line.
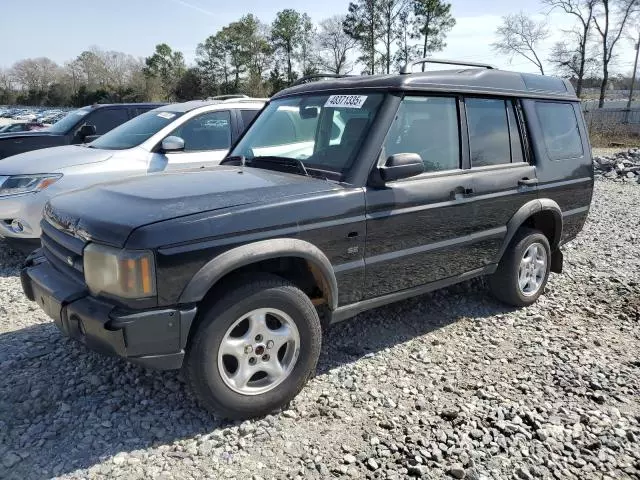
<point x="560" y="130"/>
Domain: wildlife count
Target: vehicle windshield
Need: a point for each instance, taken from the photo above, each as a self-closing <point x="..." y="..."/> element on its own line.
<point x="324" y="132"/>
<point x="69" y="121"/>
<point x="135" y="131"/>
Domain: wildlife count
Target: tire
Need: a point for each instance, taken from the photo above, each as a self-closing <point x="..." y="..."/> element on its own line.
<point x="505" y="282"/>
<point x="209" y="371"/>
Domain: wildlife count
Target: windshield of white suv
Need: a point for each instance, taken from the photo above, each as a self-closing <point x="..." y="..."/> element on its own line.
<point x="321" y="132"/>
<point x="69" y="121"/>
<point x="135" y="131"/>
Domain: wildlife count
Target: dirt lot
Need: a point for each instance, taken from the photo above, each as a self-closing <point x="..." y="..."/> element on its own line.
<point x="449" y="385"/>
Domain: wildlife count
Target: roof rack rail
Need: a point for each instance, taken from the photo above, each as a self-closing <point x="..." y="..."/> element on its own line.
<point x="228" y="97"/>
<point x="407" y="69"/>
<point x="317" y="76"/>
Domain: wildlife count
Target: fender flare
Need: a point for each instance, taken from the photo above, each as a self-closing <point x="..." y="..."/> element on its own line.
<point x="526" y="211"/>
<point x="244" y="255"/>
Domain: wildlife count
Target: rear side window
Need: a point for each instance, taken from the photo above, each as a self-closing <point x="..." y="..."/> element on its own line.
<point x="560" y="130"/>
<point x="489" y="139"/>
<point x="517" y="155"/>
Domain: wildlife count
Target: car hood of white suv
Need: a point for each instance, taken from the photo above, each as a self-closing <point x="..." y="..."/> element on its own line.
<point x="50" y="160"/>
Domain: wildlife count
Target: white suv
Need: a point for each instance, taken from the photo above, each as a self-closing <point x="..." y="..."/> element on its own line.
<point x="188" y="135"/>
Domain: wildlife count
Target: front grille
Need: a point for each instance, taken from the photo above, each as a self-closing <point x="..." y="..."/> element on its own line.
<point x="63" y="251"/>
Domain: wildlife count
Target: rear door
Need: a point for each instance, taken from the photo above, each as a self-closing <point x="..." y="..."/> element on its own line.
<point x="207" y="138"/>
<point x="503" y="179"/>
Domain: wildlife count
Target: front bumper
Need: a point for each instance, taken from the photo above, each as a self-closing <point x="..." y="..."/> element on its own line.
<point x="26" y="209"/>
<point x="152" y="338"/>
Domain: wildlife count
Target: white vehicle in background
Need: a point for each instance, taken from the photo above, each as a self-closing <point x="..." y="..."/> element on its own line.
<point x="28" y="116"/>
<point x="187" y="135"/>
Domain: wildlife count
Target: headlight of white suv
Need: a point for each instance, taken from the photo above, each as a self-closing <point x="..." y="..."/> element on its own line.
<point x="123" y="273"/>
<point x="17" y="184"/>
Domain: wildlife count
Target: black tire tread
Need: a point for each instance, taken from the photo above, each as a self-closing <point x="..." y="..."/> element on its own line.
<point x="233" y="294"/>
<point x="503" y="282"/>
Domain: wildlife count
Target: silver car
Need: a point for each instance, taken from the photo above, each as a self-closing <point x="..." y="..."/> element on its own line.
<point x="187" y="135"/>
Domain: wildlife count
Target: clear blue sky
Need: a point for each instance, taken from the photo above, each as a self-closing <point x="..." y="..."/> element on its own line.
<point x="62" y="29"/>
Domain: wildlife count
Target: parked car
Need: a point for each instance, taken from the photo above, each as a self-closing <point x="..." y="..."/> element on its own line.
<point x="188" y="135"/>
<point x="76" y="127"/>
<point x="22" y="127"/>
<point x="233" y="273"/>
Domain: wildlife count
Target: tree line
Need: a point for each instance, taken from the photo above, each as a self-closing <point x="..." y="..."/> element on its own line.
<point x="590" y="45"/>
<point x="373" y="36"/>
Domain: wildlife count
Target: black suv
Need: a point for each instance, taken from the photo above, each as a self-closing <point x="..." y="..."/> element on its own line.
<point x="79" y="126"/>
<point x="343" y="195"/>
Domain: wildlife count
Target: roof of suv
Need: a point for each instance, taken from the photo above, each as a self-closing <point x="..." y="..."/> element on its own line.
<point x="232" y="103"/>
<point x="463" y="80"/>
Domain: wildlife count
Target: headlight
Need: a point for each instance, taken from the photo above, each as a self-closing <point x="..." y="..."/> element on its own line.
<point x="123" y="273"/>
<point x="17" y="184"/>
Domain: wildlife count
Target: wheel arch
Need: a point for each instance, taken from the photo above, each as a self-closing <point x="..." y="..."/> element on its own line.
<point x="319" y="267"/>
<point x="543" y="214"/>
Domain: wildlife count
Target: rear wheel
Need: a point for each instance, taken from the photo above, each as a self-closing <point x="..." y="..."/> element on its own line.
<point x="254" y="349"/>
<point x="524" y="269"/>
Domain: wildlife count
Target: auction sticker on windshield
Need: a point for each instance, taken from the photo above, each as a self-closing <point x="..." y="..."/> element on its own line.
<point x="346" y="101"/>
<point x="166" y="115"/>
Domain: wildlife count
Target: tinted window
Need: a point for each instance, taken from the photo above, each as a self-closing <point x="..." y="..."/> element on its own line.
<point x="136" y="131"/>
<point x="209" y="131"/>
<point x="248" y="116"/>
<point x="560" y="129"/>
<point x="105" y="119"/>
<point x="427" y="126"/>
<point x="488" y="132"/>
<point x="514" y="132"/>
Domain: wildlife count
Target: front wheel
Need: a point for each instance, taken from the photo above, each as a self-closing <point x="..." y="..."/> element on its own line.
<point x="524" y="269"/>
<point x="254" y="349"/>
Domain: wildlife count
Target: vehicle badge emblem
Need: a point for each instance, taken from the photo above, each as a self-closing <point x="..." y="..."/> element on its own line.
<point x="70" y="261"/>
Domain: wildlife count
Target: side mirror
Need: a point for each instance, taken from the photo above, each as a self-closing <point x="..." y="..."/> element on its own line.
<point x="401" y="165"/>
<point x="86" y="131"/>
<point x="172" y="144"/>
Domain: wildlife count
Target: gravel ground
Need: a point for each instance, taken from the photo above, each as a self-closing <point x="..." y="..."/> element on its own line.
<point x="449" y="385"/>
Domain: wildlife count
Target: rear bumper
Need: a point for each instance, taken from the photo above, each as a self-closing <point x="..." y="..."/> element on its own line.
<point x="152" y="338"/>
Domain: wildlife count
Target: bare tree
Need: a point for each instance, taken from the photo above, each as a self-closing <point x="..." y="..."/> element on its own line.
<point x="611" y="20"/>
<point x="335" y="45"/>
<point x="583" y="11"/>
<point x="521" y="35"/>
<point x="35" y="73"/>
<point x="569" y="61"/>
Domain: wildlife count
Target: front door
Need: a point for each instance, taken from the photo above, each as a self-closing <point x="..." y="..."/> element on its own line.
<point x="418" y="229"/>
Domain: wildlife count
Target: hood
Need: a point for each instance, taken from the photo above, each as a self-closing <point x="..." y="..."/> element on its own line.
<point x="49" y="160"/>
<point x="109" y="212"/>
